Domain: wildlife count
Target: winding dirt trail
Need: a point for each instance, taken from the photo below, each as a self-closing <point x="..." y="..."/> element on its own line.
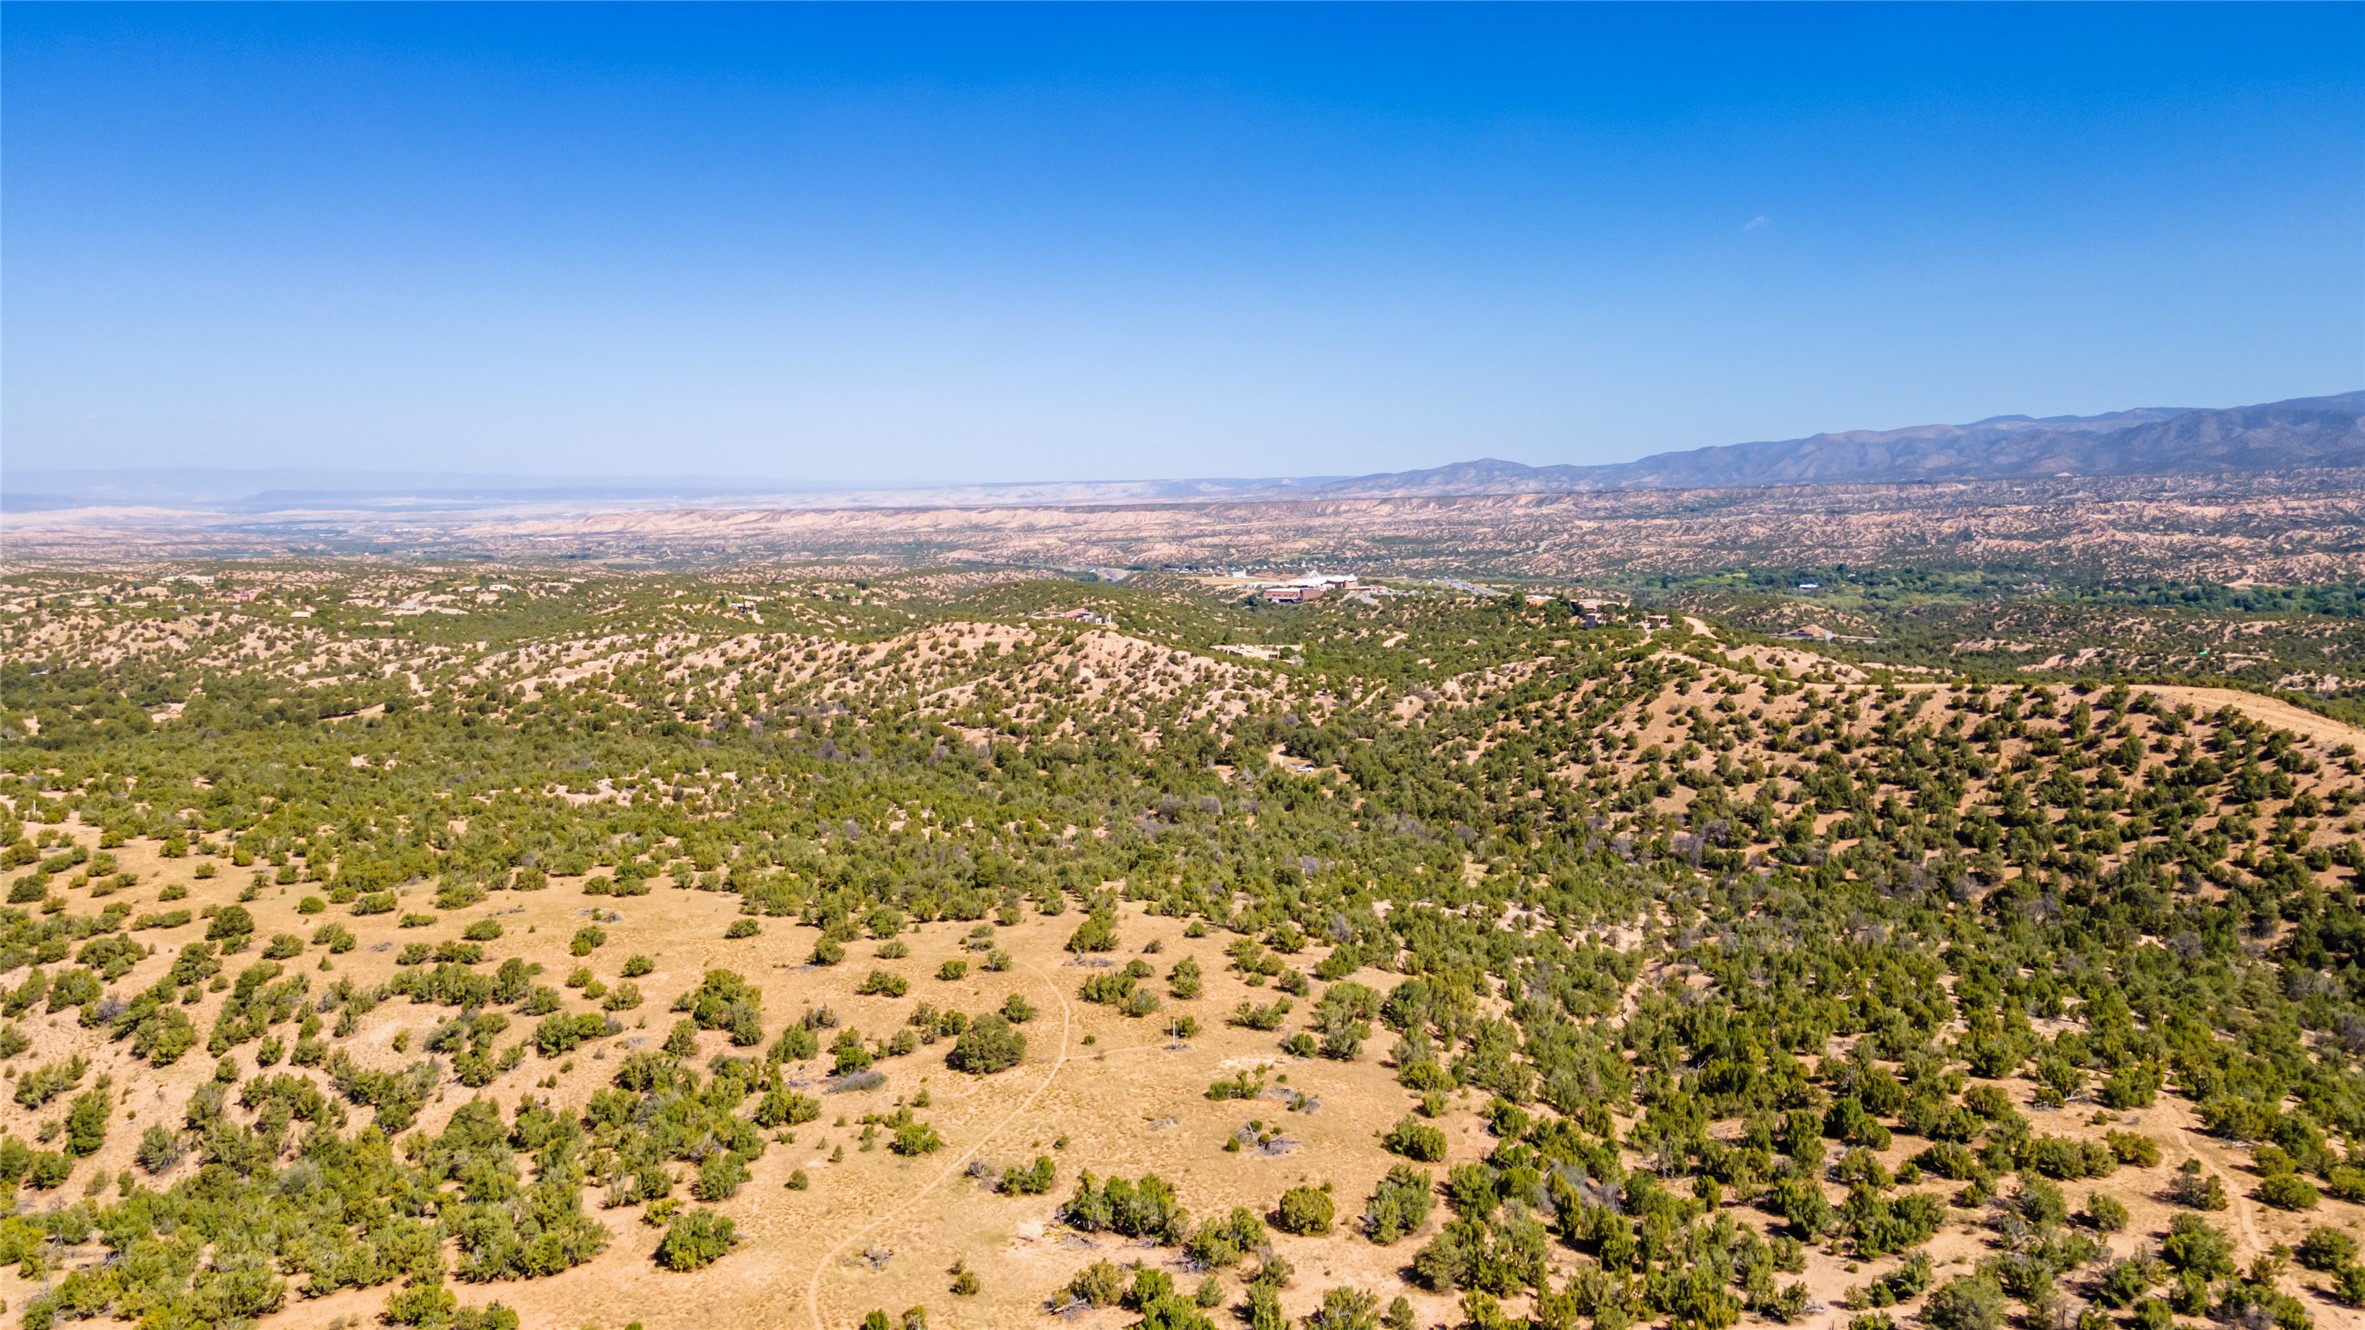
<point x="1067" y="1021"/>
<point x="2241" y="1205"/>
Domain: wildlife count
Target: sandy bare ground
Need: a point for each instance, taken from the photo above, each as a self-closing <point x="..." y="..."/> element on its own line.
<point x="2269" y="710"/>
<point x="954" y="1166"/>
<point x="1101" y="1092"/>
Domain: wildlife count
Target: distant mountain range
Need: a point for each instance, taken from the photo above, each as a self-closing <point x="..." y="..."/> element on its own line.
<point x="2300" y="434"/>
<point x="2305" y="432"/>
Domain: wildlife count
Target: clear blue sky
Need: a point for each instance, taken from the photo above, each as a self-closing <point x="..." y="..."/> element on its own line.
<point x="912" y="243"/>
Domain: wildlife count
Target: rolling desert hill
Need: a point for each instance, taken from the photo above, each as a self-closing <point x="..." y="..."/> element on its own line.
<point x="518" y="945"/>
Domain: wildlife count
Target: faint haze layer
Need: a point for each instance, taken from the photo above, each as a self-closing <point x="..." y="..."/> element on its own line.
<point x="2319" y="438"/>
<point x="843" y="246"/>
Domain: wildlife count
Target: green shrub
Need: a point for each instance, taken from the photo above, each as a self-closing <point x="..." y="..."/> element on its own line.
<point x="725" y="1001"/>
<point x="1399" y="1205"/>
<point x="1264" y="1308"/>
<point x="159" y="1149"/>
<point x="2347" y="1182"/>
<point x="1346" y="1309"/>
<point x="86" y="1122"/>
<point x="1185" y="981"/>
<point x="1415" y="1140"/>
<point x="231" y="924"/>
<point x="988" y="1045"/>
<point x="1304" y="1211"/>
<point x="560" y="1034"/>
<point x="2133" y="1148"/>
<point x="1033" y="1180"/>
<point x="720" y="1177"/>
<point x="916" y="1138"/>
<point x="2349" y="1284"/>
<point x="695" y="1239"/>
<point x="37" y="1087"/>
<point x="1973" y="1302"/>
<point x="1144" y="1209"/>
<point x="2197" y="1190"/>
<point x="1099" y="1284"/>
<point x="48" y="1170"/>
<point x="1221" y="1243"/>
<point x="1949" y="1160"/>
<point x="880" y="983"/>
<point x="2326" y="1249"/>
<point x="2104" y="1214"/>
<point x="424" y="1304"/>
<point x="1097" y="933"/>
<point x="1250" y="1016"/>
<point x="795" y="1044"/>
<point x="2288" y="1191"/>
<point x="2194" y="1246"/>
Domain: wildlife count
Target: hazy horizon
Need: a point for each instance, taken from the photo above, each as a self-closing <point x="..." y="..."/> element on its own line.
<point x="235" y="481"/>
<point x="928" y="246"/>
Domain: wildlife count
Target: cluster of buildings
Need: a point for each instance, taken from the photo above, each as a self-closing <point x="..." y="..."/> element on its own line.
<point x="1302" y="590"/>
<point x="1603" y="613"/>
<point x="1815" y="632"/>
